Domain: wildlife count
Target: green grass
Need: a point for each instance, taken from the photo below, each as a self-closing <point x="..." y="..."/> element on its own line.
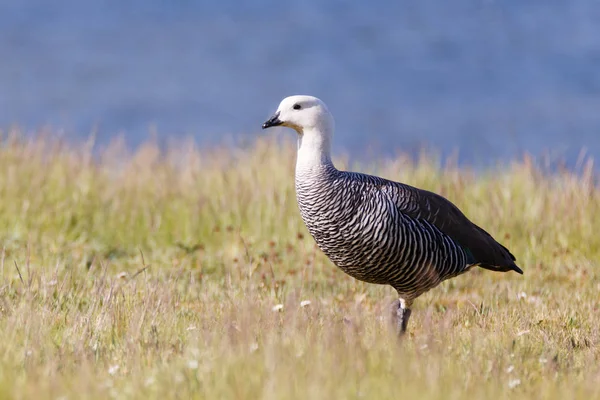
<point x="155" y="275"/>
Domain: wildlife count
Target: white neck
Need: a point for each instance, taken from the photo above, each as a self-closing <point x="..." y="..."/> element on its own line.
<point x="314" y="150"/>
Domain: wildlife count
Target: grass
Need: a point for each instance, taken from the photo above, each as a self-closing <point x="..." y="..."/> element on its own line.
<point x="187" y="273"/>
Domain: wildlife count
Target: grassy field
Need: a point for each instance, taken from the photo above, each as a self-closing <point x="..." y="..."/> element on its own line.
<point x="188" y="273"/>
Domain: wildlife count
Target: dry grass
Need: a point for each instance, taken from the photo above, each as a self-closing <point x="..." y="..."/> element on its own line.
<point x="86" y="316"/>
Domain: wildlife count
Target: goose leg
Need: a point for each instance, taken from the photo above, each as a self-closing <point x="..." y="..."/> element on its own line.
<point x="400" y="316"/>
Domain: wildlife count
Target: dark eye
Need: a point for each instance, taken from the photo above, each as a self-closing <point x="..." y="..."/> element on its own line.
<point x="297" y="106"/>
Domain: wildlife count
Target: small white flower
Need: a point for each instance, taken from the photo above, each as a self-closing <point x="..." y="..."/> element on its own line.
<point x="278" y="307"/>
<point x="510" y="369"/>
<point x="191" y="328"/>
<point x="513" y="383"/>
<point x="192" y="364"/>
<point x="543" y="360"/>
<point x="304" y="303"/>
<point x="113" y="369"/>
<point x="522" y="295"/>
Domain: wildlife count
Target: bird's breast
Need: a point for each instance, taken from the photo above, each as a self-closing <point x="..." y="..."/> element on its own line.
<point x="346" y="223"/>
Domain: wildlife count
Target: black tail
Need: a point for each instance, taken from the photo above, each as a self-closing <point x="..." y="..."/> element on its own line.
<point x="505" y="268"/>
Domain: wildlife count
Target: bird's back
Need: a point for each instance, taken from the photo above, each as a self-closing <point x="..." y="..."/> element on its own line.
<point x="385" y="232"/>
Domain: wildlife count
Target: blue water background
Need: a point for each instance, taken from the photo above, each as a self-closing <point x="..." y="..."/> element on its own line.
<point x="491" y="78"/>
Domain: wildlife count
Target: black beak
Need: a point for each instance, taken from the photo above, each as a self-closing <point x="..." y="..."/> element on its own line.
<point x="273" y="121"/>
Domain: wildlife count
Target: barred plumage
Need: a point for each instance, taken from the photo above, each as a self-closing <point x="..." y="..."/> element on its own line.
<point x="376" y="230"/>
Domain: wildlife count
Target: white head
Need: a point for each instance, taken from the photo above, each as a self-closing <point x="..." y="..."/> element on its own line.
<point x="302" y="113"/>
<point x="311" y="119"/>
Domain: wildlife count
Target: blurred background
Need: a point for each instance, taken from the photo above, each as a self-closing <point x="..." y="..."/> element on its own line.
<point x="492" y="79"/>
